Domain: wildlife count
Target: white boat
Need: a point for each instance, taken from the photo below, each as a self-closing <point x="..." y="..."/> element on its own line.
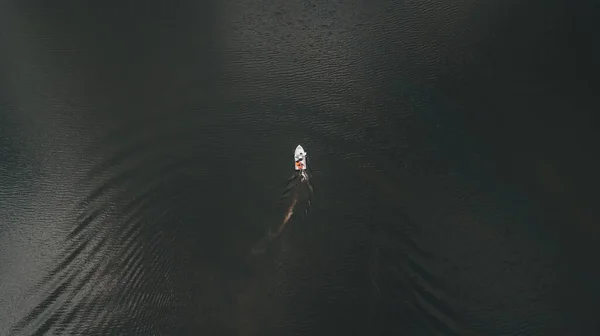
<point x="300" y="158"/>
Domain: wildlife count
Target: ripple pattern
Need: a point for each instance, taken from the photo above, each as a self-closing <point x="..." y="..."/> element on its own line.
<point x="117" y="260"/>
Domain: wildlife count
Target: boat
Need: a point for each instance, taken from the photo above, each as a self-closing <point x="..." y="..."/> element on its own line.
<point x="300" y="158"/>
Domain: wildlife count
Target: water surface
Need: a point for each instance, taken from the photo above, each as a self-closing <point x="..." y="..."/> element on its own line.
<point x="144" y="149"/>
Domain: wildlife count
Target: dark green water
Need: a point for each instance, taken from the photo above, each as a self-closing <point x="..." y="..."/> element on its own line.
<point x="144" y="149"/>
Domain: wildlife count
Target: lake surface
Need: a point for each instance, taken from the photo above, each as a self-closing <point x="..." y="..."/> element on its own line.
<point x="144" y="149"/>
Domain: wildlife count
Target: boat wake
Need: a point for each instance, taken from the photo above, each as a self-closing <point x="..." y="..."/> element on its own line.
<point x="297" y="195"/>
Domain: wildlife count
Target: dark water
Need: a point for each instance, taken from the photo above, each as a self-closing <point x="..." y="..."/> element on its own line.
<point x="144" y="148"/>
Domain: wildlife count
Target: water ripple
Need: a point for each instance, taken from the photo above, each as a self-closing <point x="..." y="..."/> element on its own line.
<point x="114" y="264"/>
